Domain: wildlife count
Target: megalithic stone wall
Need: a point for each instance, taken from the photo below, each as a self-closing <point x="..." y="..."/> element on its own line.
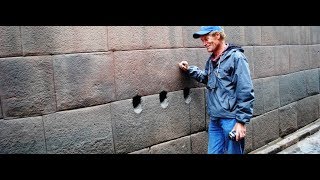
<point x="70" y="89"/>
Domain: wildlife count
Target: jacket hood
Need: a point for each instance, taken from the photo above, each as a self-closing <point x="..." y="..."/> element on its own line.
<point x="232" y="48"/>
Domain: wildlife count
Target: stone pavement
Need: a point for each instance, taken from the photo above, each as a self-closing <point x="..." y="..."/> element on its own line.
<point x="309" y="145"/>
<point x="304" y="141"/>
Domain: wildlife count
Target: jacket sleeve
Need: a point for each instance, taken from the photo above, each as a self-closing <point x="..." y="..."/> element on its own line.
<point x="199" y="75"/>
<point x="244" y="91"/>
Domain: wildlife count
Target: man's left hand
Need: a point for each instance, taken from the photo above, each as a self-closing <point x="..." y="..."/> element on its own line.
<point x="240" y="131"/>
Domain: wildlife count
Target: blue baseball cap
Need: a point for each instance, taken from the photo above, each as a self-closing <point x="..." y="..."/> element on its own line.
<point x="206" y="30"/>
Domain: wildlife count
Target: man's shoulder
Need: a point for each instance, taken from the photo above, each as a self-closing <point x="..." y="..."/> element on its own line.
<point x="236" y="53"/>
<point x="239" y="56"/>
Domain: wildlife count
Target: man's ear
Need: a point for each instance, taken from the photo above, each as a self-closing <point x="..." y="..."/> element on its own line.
<point x="218" y="35"/>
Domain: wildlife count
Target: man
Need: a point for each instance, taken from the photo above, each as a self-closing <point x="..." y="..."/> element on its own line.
<point x="230" y="93"/>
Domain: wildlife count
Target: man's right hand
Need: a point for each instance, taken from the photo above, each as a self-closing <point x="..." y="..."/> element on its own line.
<point x="184" y="65"/>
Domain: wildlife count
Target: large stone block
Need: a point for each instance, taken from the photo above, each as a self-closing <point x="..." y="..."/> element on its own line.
<point x="312" y="80"/>
<point x="265" y="128"/>
<point x="26" y="86"/>
<point x="288" y="119"/>
<point x="271" y="99"/>
<point x="81" y="131"/>
<point x="83" y="80"/>
<point x="22" y="136"/>
<point x="63" y="39"/>
<point x="314" y="56"/>
<point x="252" y="35"/>
<point x="177" y="146"/>
<point x="281" y="59"/>
<point x="248" y="145"/>
<point x="264" y="63"/>
<point x="152" y="71"/>
<point x="153" y="125"/>
<point x="300" y="35"/>
<point x="248" y="52"/>
<point x="188" y="40"/>
<point x="275" y="35"/>
<point x="235" y="35"/>
<point x="295" y="35"/>
<point x="292" y="87"/>
<point x="199" y="143"/>
<point x="1" y="116"/>
<point x="197" y="110"/>
<point x="299" y="58"/>
<point x="315" y="34"/>
<point x="305" y="34"/>
<point x="10" y="41"/>
<point x="308" y="110"/>
<point x="144" y="37"/>
<point x="258" y="104"/>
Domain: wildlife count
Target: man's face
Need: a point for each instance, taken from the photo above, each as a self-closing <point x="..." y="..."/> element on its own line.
<point x="210" y="41"/>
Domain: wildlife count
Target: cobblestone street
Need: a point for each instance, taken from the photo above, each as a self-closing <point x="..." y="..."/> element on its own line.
<point x="309" y="145"/>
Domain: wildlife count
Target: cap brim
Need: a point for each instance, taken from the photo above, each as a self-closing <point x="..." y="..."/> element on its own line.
<point x="200" y="33"/>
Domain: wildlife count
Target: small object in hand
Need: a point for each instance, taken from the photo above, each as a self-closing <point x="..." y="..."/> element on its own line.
<point x="232" y="135"/>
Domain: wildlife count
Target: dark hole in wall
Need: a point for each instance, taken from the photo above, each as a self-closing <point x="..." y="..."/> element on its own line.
<point x="136" y="101"/>
<point x="186" y="92"/>
<point x="162" y="96"/>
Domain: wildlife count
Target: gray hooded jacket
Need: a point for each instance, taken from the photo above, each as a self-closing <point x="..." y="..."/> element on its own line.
<point x="230" y="91"/>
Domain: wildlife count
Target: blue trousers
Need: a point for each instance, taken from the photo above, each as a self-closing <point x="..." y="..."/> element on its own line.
<point x="219" y="142"/>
